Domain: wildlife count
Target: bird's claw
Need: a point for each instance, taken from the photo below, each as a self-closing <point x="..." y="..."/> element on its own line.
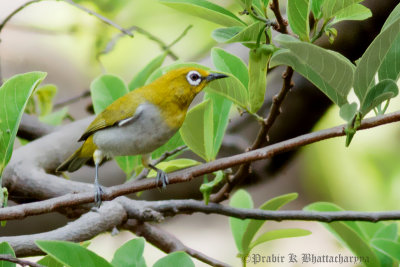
<point x="162" y="177"/>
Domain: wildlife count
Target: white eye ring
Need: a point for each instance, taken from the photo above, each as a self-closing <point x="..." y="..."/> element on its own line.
<point x="193" y="77"/>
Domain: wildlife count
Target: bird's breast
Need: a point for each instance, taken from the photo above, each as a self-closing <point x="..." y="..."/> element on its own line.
<point x="143" y="134"/>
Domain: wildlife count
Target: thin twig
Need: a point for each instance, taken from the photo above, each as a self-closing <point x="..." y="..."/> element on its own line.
<point x="274" y="112"/>
<point x="111" y="44"/>
<point x="90" y="12"/>
<point x="73" y="99"/>
<point x="4" y="22"/>
<point x="189" y="206"/>
<point x="282" y="23"/>
<point x="166" y="241"/>
<point x="100" y="17"/>
<point x="9" y="258"/>
<point x="163" y="157"/>
<point x="45" y="206"/>
<point x="185" y="31"/>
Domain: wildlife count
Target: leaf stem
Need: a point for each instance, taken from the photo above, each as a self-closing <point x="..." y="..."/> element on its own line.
<point x="319" y="34"/>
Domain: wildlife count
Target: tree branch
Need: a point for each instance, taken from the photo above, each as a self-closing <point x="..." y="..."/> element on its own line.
<point x="188" y="206"/>
<point x="9" y="258"/>
<point x="86" y="227"/>
<point x="166" y="241"/>
<point x="21" y="211"/>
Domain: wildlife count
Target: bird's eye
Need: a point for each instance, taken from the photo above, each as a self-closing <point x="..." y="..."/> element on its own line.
<point x="193" y="77"/>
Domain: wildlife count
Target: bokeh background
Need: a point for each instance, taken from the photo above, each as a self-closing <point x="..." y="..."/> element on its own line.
<point x="57" y="38"/>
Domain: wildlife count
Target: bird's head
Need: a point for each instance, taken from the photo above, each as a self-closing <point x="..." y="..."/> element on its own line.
<point x="188" y="81"/>
<point x="180" y="86"/>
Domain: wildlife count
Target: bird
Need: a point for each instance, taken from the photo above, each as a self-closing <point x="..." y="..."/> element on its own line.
<point x="139" y="122"/>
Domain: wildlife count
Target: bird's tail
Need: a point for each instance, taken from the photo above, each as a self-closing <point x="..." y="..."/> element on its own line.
<point x="79" y="158"/>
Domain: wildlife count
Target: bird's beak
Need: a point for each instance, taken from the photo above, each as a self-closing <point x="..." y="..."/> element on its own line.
<point x="214" y="76"/>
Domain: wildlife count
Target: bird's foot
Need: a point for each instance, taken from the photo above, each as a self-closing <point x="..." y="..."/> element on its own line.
<point x="162" y="177"/>
<point x="98" y="192"/>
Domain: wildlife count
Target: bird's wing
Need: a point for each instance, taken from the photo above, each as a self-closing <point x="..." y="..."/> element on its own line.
<point x="122" y="111"/>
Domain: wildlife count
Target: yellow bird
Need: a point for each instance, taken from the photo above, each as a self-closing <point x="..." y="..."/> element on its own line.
<point x="140" y="122"/>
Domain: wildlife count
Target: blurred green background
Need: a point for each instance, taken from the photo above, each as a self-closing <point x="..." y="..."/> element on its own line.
<point x="58" y="38"/>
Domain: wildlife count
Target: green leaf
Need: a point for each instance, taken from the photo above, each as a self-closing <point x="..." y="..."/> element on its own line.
<point x="173" y="143"/>
<point x="387" y="247"/>
<point x="220" y="114"/>
<point x="62" y="251"/>
<point x="373" y="58"/>
<point x="278" y="234"/>
<point x="379" y="93"/>
<point x="258" y="62"/>
<point x="222" y="35"/>
<point x="105" y="89"/>
<point x="56" y="117"/>
<point x="5" y="248"/>
<point x="241" y="199"/>
<point x="174" y="165"/>
<point x="207" y="187"/>
<point x="298" y="11"/>
<point x="197" y="130"/>
<point x="178" y="258"/>
<point x="355" y="243"/>
<point x="14" y="95"/>
<point x="50" y="262"/>
<point x="329" y="71"/>
<point x="236" y="34"/>
<point x="315" y="6"/>
<point x="326" y="206"/>
<point x="389" y="232"/>
<point x="254" y="225"/>
<point x="140" y="79"/>
<point x="348" y="111"/>
<point x="128" y="164"/>
<point x="130" y="254"/>
<point x="230" y="63"/>
<point x="45" y="95"/>
<point x="390" y="68"/>
<point x="353" y="12"/>
<point x="205" y="10"/>
<point x="232" y="89"/>
<point x="331" y="8"/>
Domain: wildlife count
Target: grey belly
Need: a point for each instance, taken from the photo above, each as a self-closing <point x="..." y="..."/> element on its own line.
<point x="142" y="136"/>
